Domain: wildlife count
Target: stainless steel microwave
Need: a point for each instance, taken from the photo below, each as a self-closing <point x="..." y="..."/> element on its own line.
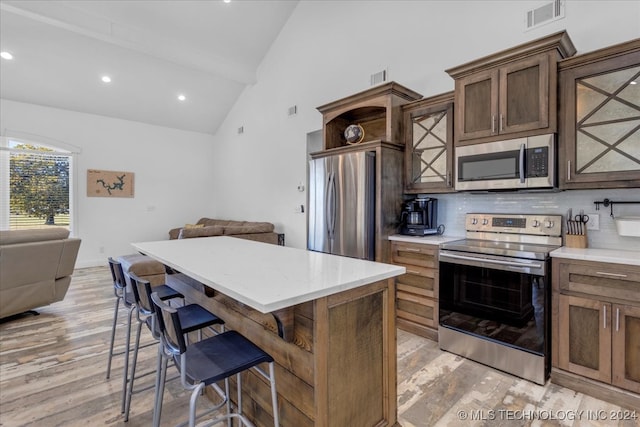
<point x="515" y="164"/>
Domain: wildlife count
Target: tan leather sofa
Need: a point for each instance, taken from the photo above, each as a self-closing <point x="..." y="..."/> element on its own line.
<point x="35" y="268"/>
<point x="207" y="227"/>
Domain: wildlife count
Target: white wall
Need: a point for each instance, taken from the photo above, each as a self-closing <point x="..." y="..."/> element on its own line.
<point x="328" y="50"/>
<point x="172" y="175"/>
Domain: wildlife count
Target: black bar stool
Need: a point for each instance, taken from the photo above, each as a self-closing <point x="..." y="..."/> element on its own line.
<point x="206" y="362"/>
<point x="125" y="295"/>
<point x="119" y="289"/>
<point x="193" y="316"/>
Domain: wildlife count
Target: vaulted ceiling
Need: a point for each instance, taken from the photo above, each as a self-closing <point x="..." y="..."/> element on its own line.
<point x="153" y="51"/>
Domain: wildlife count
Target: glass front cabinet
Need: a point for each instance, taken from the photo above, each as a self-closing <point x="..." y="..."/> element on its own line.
<point x="428" y="135"/>
<point x="600" y="117"/>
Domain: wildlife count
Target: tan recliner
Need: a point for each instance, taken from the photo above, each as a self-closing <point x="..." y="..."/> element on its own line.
<point x="35" y="268"/>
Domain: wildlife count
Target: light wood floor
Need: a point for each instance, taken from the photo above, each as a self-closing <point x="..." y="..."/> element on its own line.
<point x="53" y="366"/>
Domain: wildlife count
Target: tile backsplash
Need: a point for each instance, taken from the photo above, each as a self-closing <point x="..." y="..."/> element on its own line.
<point x="453" y="207"/>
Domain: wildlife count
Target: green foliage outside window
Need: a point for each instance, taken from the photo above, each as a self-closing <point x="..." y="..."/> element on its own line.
<point x="39" y="183"/>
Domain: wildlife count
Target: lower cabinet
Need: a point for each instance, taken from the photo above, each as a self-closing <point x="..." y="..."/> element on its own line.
<point x="600" y="340"/>
<point x="417" y="289"/>
<point x="596" y="325"/>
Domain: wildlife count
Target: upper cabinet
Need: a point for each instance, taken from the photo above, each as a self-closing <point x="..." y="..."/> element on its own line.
<point x="375" y="113"/>
<point x="600" y="118"/>
<point x="509" y="94"/>
<point x="428" y="137"/>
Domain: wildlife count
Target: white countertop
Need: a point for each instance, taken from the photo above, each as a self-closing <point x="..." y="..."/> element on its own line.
<point x="602" y="255"/>
<point x="263" y="276"/>
<point x="433" y="239"/>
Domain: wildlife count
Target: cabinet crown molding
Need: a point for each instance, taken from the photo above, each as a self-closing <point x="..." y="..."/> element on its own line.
<point x="391" y="88"/>
<point x="435" y="99"/>
<point x="560" y="41"/>
<point x="603" y="54"/>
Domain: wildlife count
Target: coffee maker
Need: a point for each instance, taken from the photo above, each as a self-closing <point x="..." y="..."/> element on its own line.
<point x="420" y="216"/>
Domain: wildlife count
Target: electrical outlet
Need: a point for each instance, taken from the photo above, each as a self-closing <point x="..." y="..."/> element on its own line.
<point x="594" y="221"/>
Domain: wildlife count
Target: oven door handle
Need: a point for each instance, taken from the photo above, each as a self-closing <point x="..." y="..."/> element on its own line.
<point x="489" y="260"/>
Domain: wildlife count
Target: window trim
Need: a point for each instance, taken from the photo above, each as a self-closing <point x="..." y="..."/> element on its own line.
<point x="59" y="148"/>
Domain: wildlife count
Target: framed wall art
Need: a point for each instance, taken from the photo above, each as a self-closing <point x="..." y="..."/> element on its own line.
<point x="109" y="183"/>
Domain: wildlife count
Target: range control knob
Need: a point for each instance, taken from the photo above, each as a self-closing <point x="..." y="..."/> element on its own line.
<point x="535" y="223"/>
<point x="548" y="224"/>
<point x="474" y="221"/>
<point x="485" y="221"/>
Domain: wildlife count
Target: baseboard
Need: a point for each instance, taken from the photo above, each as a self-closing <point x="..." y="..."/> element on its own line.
<point x="102" y="262"/>
<point x="602" y="391"/>
<point x="422" y="331"/>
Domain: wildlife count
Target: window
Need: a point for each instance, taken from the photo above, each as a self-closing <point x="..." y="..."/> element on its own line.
<point x="35" y="186"/>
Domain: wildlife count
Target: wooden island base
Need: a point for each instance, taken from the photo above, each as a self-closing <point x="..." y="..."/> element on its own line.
<point x="339" y="368"/>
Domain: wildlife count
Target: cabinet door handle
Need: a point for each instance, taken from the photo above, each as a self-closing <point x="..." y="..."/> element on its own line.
<point x="410" y="250"/>
<point x="604" y="273"/>
<point x="604" y="316"/>
<point x="493" y="123"/>
<point x="568" y="170"/>
<point x="413" y="272"/>
<point x="617" y="319"/>
<point x="501" y="122"/>
<point x="449" y="179"/>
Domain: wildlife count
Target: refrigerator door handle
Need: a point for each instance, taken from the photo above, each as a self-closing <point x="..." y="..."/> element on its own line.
<point x="331" y="204"/>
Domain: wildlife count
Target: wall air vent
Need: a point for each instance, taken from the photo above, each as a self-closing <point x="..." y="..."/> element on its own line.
<point x="547" y="12"/>
<point x="379" y="77"/>
<point x="241" y="129"/>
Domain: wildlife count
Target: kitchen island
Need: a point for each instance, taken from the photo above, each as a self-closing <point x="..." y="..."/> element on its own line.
<point x="328" y="321"/>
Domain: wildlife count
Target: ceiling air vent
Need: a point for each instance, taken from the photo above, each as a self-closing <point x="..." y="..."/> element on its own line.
<point x="379" y="77"/>
<point x="548" y="12"/>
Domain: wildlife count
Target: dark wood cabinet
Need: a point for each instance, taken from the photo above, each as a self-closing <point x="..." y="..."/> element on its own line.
<point x="600" y="118"/>
<point x="600" y="340"/>
<point x="525" y="95"/>
<point x="596" y="329"/>
<point x="509" y="94"/>
<point x="417" y="289"/>
<point x="584" y="342"/>
<point x="625" y="363"/>
<point x="376" y="110"/>
<point x="477" y="105"/>
<point x="428" y="137"/>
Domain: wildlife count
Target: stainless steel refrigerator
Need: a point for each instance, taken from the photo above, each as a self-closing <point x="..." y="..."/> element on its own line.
<point x="342" y="204"/>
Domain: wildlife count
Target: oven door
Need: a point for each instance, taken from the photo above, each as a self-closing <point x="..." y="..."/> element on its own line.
<point x="497" y="298"/>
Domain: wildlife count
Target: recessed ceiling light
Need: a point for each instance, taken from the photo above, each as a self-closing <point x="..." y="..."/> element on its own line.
<point x="634" y="82"/>
<point x="6" y="55"/>
<point x="106" y="79"/>
<point x="181" y="97"/>
<point x="227" y="1"/>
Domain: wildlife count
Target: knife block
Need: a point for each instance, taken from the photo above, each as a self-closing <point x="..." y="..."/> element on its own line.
<point x="576" y="240"/>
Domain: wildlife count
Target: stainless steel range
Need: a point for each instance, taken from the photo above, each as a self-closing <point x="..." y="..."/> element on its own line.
<point x="495" y="292"/>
